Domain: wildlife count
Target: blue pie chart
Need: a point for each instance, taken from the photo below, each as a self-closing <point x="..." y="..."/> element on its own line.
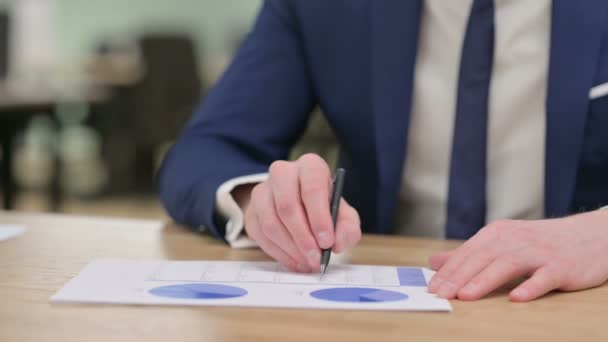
<point x="198" y="291"/>
<point x="358" y="295"/>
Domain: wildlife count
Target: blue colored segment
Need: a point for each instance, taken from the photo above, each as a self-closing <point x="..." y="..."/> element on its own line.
<point x="358" y="295"/>
<point x="382" y="296"/>
<point x="411" y="276"/>
<point x="198" y="291"/>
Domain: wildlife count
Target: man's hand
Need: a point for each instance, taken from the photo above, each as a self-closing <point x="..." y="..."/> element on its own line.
<point x="565" y="254"/>
<point x="288" y="215"/>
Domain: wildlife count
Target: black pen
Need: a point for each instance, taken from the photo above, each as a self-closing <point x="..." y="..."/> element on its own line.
<point x="336" y="195"/>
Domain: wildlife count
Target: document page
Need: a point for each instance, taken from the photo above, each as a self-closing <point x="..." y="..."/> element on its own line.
<point x="251" y="284"/>
<point x="9" y="231"/>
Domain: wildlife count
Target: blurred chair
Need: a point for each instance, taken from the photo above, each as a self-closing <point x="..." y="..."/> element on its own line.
<point x="170" y="89"/>
<point x="7" y="185"/>
<point x="141" y="117"/>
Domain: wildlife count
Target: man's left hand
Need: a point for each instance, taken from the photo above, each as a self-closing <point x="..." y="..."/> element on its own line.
<point x="566" y="254"/>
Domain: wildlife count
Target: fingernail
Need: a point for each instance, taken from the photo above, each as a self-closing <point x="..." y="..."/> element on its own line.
<point x="446" y="290"/>
<point x="434" y="283"/>
<point x="520" y="293"/>
<point x="314" y="257"/>
<point x="323" y="239"/>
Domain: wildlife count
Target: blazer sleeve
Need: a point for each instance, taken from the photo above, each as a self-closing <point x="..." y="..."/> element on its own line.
<point x="252" y="116"/>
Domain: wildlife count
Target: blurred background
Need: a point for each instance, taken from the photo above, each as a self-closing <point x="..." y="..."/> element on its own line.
<point x="93" y="93"/>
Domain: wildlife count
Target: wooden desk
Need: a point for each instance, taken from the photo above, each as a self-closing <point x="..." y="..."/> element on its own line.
<point x="55" y="248"/>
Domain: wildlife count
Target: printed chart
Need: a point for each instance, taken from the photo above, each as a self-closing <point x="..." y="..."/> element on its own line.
<point x="251" y="284"/>
<point x="358" y="295"/>
<point x="198" y="291"/>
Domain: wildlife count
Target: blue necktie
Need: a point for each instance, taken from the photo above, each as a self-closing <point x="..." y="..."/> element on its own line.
<point x="467" y="189"/>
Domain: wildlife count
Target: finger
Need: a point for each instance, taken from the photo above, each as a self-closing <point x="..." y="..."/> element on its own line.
<point x="502" y="270"/>
<point x="283" y="203"/>
<point x="348" y="228"/>
<point x="450" y="266"/>
<point x="272" y="227"/>
<point x="542" y="282"/>
<point x="274" y="251"/>
<point x="315" y="180"/>
<point x="472" y="265"/>
<point x="483" y="238"/>
<point x="436" y="261"/>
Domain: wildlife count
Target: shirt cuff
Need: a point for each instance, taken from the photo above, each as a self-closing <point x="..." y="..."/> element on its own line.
<point x="604" y="208"/>
<point x="227" y="207"/>
<point x="598" y="91"/>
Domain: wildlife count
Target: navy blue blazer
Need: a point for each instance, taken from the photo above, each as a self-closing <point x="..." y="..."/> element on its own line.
<point x="355" y="59"/>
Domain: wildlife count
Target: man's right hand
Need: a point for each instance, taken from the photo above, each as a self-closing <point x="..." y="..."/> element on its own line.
<point x="288" y="215"/>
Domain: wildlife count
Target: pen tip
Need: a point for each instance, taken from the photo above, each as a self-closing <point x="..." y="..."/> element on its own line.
<point x="323" y="268"/>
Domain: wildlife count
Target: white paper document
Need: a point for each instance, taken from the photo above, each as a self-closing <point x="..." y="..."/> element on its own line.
<point x="9" y="231"/>
<point x="252" y="284"/>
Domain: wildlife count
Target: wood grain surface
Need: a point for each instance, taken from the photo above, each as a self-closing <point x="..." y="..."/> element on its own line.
<point x="55" y="248"/>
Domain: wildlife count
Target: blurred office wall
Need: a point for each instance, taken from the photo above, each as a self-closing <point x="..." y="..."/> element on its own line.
<point x="32" y="46"/>
<point x="63" y="45"/>
<point x="215" y="25"/>
<point x="112" y="147"/>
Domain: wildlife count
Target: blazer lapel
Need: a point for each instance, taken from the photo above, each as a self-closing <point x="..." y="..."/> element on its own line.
<point x="395" y="26"/>
<point x="575" y="45"/>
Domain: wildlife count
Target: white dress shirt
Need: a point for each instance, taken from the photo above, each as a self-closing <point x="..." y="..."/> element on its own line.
<point x="516" y="125"/>
<point x="516" y="114"/>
